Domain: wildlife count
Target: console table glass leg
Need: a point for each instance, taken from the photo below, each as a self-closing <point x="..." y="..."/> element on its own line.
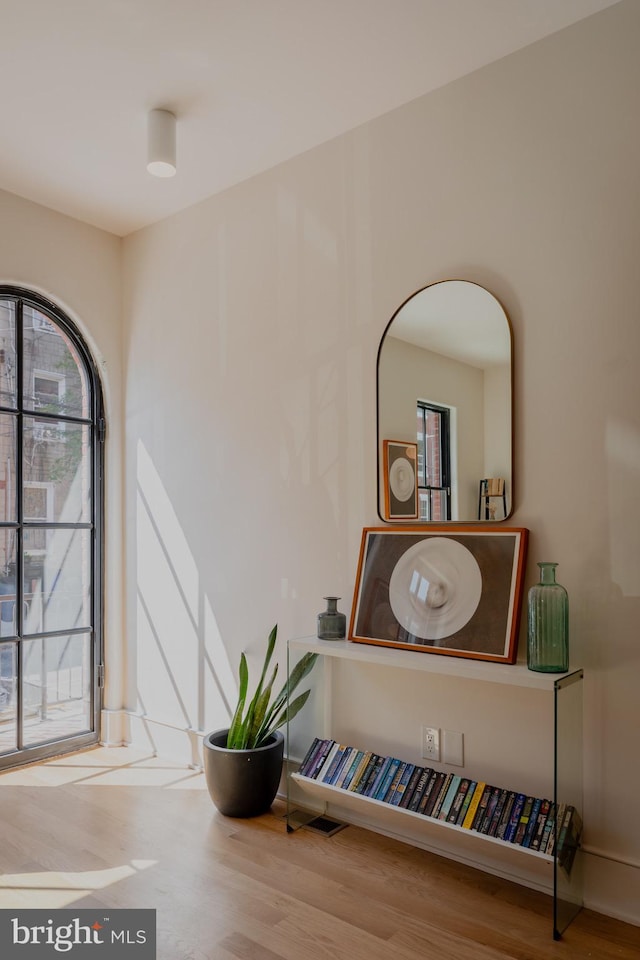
<point x="567" y="861"/>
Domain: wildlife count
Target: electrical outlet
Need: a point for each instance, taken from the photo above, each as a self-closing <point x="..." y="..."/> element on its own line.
<point x="431" y="743"/>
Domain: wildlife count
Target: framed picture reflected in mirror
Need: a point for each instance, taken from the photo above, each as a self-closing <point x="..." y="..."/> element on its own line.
<point x="400" y="480"/>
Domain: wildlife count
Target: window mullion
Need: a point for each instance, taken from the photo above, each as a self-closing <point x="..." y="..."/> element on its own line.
<point x="19" y="572"/>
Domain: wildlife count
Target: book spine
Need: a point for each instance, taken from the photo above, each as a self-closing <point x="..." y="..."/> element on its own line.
<point x="331" y="763"/>
<point x="441" y="796"/>
<point x="374" y="784"/>
<point x="320" y="758"/>
<point x="543" y="813"/>
<point x="407" y="796"/>
<point x="548" y="828"/>
<point x="563" y="829"/>
<point x="431" y="795"/>
<point x="337" y="773"/>
<point x="456" y="805"/>
<point x="571" y="840"/>
<point x="555" y="829"/>
<point x="364" y="760"/>
<point x="497" y="813"/>
<point x="492" y="802"/>
<point x="326" y="763"/>
<point x="466" y="802"/>
<point x="343" y="767"/>
<point x="474" y="803"/>
<point x="394" y="783"/>
<point x="361" y="786"/>
<point x="533" y="821"/>
<point x="355" y="763"/>
<point x="514" y="819"/>
<point x="388" y="779"/>
<point x="445" y="806"/>
<point x="482" y="807"/>
<point x="402" y="785"/>
<point x="310" y="765"/>
<point x="421" y="786"/>
<point x="506" y="813"/>
<point x="524" y="821"/>
<point x="374" y="773"/>
<point x="306" y="760"/>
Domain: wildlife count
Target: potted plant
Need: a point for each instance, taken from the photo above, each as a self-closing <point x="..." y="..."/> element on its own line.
<point x="243" y="764"/>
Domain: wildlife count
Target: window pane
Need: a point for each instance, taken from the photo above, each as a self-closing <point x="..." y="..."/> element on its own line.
<point x="8" y="446"/>
<point x="8" y="597"/>
<point x="439" y="505"/>
<point x="8" y="697"/>
<point x="434" y="460"/>
<point x="57" y="573"/>
<point x="8" y="396"/>
<point x="56" y="687"/>
<point x="54" y="379"/>
<point x="422" y="481"/>
<point x="56" y="471"/>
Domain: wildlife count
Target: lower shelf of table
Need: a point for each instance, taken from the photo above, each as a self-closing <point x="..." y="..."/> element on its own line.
<point x="379" y="809"/>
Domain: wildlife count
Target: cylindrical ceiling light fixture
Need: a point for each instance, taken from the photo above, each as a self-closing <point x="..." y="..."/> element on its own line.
<point x="161" y="143"/>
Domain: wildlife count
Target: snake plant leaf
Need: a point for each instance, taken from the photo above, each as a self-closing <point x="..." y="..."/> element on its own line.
<point x="253" y="728"/>
<point x="299" y="672"/>
<point x="260" y="711"/>
<point x="240" y="730"/>
<point x="235" y="730"/>
<point x="289" y="713"/>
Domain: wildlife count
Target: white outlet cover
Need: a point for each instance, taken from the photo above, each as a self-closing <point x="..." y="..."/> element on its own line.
<point x="453" y="748"/>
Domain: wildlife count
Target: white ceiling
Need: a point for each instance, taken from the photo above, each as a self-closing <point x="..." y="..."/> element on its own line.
<point x="253" y="83"/>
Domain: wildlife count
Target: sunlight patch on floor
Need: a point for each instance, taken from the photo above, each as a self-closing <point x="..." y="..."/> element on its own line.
<point x="51" y="888"/>
<point x="104" y="767"/>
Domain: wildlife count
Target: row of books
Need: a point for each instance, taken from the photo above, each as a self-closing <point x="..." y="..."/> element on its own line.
<point x="531" y="822"/>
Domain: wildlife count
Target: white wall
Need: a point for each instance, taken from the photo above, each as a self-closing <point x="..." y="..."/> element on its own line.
<point x="79" y="268"/>
<point x="252" y="325"/>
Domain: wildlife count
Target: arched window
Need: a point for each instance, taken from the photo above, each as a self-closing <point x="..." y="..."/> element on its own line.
<point x="51" y="440"/>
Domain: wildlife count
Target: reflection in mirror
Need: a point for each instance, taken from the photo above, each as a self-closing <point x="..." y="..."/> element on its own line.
<point x="444" y="378"/>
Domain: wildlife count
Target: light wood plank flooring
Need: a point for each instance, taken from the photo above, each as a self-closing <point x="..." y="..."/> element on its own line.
<point x="110" y="828"/>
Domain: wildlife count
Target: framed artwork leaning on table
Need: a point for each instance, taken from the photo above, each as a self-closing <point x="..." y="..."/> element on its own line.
<point x="454" y="590"/>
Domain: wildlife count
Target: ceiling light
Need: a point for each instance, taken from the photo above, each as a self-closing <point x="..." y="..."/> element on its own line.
<point x="161" y="143"/>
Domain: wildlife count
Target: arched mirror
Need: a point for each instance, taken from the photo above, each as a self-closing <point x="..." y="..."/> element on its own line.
<point x="445" y="407"/>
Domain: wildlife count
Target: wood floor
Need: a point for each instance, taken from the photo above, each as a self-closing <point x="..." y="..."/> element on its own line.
<point x="108" y="828"/>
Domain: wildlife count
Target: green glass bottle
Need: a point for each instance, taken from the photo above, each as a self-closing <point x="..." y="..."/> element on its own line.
<point x="548" y="624"/>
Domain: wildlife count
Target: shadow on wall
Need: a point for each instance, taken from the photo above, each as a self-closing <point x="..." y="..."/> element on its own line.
<point x="184" y="679"/>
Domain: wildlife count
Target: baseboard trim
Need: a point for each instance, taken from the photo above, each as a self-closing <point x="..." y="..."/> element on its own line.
<point x="181" y="744"/>
<point x="612" y="887"/>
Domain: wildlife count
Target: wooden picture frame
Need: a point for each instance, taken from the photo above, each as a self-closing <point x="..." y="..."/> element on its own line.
<point x="400" y="459"/>
<point x="453" y="589"/>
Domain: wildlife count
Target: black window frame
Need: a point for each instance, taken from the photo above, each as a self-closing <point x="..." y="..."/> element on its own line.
<point x="444" y="414"/>
<point x="95" y="422"/>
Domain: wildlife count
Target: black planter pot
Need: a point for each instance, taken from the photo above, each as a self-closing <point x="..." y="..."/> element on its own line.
<point x="242" y="783"/>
